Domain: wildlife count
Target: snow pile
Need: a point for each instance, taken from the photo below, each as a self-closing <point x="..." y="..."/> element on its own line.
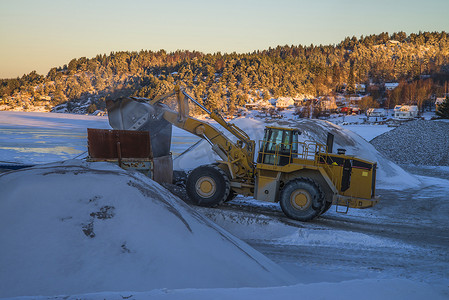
<point x="202" y="153"/>
<point x="337" y="237"/>
<point x="419" y="142"/>
<point x="368" y="132"/>
<point x="389" y="174"/>
<point x="78" y="227"/>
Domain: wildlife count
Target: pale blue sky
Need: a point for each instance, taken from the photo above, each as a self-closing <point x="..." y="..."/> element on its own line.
<point x="38" y="35"/>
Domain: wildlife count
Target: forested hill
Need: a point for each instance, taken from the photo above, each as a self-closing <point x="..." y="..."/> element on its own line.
<point x="225" y="81"/>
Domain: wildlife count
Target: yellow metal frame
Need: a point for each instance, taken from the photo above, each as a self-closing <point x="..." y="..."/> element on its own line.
<point x="308" y="153"/>
<point x="248" y="178"/>
<point x="314" y="156"/>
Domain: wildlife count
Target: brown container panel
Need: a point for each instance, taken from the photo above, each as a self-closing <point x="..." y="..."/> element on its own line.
<point x="114" y="144"/>
<point x="163" y="169"/>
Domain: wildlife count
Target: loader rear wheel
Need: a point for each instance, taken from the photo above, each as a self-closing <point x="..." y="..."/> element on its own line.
<point x="208" y="186"/>
<point x="301" y="199"/>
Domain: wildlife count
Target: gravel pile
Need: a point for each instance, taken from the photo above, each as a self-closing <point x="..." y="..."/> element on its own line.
<point x="418" y="142"/>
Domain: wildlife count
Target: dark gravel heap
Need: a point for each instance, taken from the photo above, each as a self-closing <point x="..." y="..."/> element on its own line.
<point x="418" y="142"/>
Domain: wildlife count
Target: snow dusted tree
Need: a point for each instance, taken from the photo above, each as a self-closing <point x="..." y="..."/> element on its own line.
<point x="350" y="88"/>
<point x="443" y="109"/>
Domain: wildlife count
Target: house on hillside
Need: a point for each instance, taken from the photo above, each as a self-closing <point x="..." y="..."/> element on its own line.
<point x="360" y="88"/>
<point x="355" y="109"/>
<point x="284" y="102"/>
<point x="328" y="103"/>
<point x="438" y="102"/>
<point x="302" y="99"/>
<point x="376" y="112"/>
<point x="355" y="100"/>
<point x="298" y="101"/>
<point x="261" y="104"/>
<point x="42" y="101"/>
<point x="251" y="106"/>
<point x="341" y="101"/>
<point x="389" y="86"/>
<point x="405" y="112"/>
<point x="265" y="104"/>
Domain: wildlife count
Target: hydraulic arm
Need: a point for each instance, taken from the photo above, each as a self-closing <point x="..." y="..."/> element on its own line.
<point x="303" y="176"/>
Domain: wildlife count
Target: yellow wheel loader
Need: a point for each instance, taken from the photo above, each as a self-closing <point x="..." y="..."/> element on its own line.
<point x="305" y="177"/>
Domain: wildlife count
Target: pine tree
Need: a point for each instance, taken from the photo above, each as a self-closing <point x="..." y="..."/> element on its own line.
<point x="92" y="108"/>
<point x="350" y="88"/>
<point x="443" y="109"/>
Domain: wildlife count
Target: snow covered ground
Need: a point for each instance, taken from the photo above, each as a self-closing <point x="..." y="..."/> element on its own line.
<point x="78" y="227"/>
<point x="396" y="250"/>
<point x="34" y="138"/>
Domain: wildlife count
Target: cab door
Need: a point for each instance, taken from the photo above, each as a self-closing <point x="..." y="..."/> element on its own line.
<point x="277" y="148"/>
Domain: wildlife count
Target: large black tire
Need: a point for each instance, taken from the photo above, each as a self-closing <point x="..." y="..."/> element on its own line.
<point x="208" y="186"/>
<point x="326" y="207"/>
<point x="301" y="199"/>
<point x="231" y="196"/>
<point x="225" y="169"/>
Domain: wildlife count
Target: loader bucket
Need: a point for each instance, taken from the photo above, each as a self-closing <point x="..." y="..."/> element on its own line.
<point x="128" y="114"/>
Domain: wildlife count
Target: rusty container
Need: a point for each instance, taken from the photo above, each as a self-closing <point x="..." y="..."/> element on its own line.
<point x="130" y="150"/>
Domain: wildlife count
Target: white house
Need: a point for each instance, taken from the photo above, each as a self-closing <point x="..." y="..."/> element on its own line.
<point x="389" y="86"/>
<point x="360" y="88"/>
<point x="341" y="100"/>
<point x="284" y="102"/>
<point x="261" y="104"/>
<point x="251" y="105"/>
<point x="438" y="102"/>
<point x="405" y="112"/>
<point x="355" y="99"/>
<point x="328" y="103"/>
<point x="376" y="112"/>
<point x="264" y="104"/>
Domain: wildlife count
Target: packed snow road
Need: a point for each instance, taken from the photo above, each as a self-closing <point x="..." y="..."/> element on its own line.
<point x="406" y="235"/>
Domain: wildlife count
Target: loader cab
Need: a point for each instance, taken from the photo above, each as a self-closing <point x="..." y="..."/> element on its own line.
<point x="279" y="146"/>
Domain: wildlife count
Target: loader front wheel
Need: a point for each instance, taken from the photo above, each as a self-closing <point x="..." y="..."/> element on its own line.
<point x="231" y="196"/>
<point x="326" y="207"/>
<point x="301" y="199"/>
<point x="208" y="186"/>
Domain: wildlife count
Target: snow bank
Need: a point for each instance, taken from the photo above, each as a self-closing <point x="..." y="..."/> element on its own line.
<point x="342" y="238"/>
<point x="78" y="227"/>
<point x="354" y="289"/>
<point x="389" y="175"/>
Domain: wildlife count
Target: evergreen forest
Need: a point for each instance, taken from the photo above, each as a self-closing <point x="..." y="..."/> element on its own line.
<point x="419" y="62"/>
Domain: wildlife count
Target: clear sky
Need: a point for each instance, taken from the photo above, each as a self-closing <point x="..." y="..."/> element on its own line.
<point x="40" y="34"/>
